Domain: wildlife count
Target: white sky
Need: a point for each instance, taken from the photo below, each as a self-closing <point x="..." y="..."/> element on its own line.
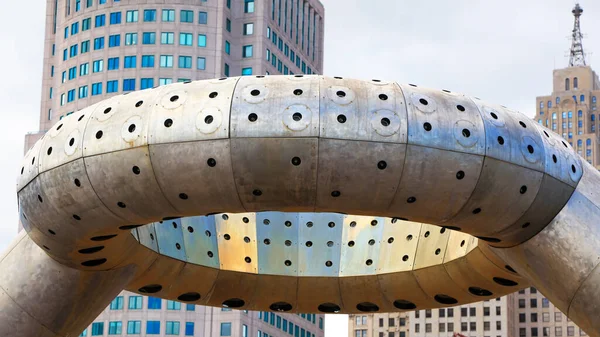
<point x="499" y="50"/>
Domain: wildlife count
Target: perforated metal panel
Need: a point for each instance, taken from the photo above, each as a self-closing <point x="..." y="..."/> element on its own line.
<point x="431" y="248"/>
<point x="320" y="244"/>
<point x="200" y="238"/>
<point x="361" y="244"/>
<point x="398" y="245"/>
<point x="169" y="236"/>
<point x="237" y="242"/>
<point x="277" y="242"/>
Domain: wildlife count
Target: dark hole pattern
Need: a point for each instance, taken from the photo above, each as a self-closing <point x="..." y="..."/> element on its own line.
<point x="554" y="159"/>
<point x="546" y="133"/>
<point x="500" y="140"/>
<point x="93" y="263"/>
<point x="129" y="227"/>
<point x="139" y="104"/>
<point x="423" y="101"/>
<point x="371" y="242"/>
<point x="523" y="189"/>
<point x="426" y="234"/>
<point x="189" y="297"/>
<point x="107" y="110"/>
<point x="76" y="217"/>
<point x="288" y="243"/>
<point x="91" y="250"/>
<point x="353" y="224"/>
<point x="168" y="123"/>
<point x="150" y="289"/>
<point x="46" y="247"/>
<point x="329" y="243"/>
<point x="174" y="98"/>
<point x="509" y="268"/>
<point x="427" y="126"/>
<point x="328" y="264"/>
<point x="530" y="149"/>
<point x="208" y="119"/>
<point x="445" y="299"/>
<point x="40" y="198"/>
<point x="443" y="230"/>
<point x="404" y="305"/>
<point x="210" y="254"/>
<point x="309" y="243"/>
<point x="121" y="204"/>
<point x="405" y="258"/>
<point x="49" y="150"/>
<point x="174" y="225"/>
<point x="252" y="117"/>
<point x="178" y="246"/>
<point x="480" y="291"/>
<point x="297" y="116"/>
<point x="369" y="262"/>
<point x="367" y="307"/>
<point x="255" y="92"/>
<point x="341" y="94"/>
<point x="257" y="193"/>
<point x="51" y="232"/>
<point x="525" y="225"/>
<point x="288" y="263"/>
<point x="335" y="194"/>
<point x="247" y="259"/>
<point x="460" y="175"/>
<point x="131" y="128"/>
<point x="103" y="237"/>
<point x="296" y="161"/>
<point x="208" y="233"/>
<point x="505" y="282"/>
<point x="466" y="133"/>
<point x="266" y="221"/>
<point x="211" y="162"/>
<point x="226" y="237"/>
<point x="494" y="116"/>
<point x="390" y="240"/>
<point x="213" y="94"/>
<point x="460" y="107"/>
<point x="341" y="119"/>
<point x="80" y="118"/>
<point x="385" y="122"/>
<point x="565" y="144"/>
<point x="329" y="308"/>
<point x="411" y="200"/>
<point x="32" y="160"/>
<point x="77" y="182"/>
<point x="462" y="243"/>
<point x="409" y="237"/>
<point x="136" y="170"/>
<point x="374" y="223"/>
<point x="477" y="211"/>
<point x="383" y="97"/>
<point x="382" y="165"/>
<point x="351" y="244"/>
<point x="245" y="220"/>
<point x="573" y="169"/>
<point x="298" y="92"/>
<point x="71" y="141"/>
<point x="522" y="124"/>
<point x="280" y="306"/>
<point x="493" y="240"/>
<point x="267" y="242"/>
<point x="309" y="224"/>
<point x="331" y="224"/>
<point x="99" y="134"/>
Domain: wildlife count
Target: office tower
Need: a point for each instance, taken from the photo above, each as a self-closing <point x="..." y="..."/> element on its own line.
<point x="95" y="49"/>
<point x="393" y="324"/>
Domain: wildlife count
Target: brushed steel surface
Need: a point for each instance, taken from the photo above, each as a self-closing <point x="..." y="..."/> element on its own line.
<point x="365" y="157"/>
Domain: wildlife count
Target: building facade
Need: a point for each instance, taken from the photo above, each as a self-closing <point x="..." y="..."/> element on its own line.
<point x="395" y="324"/>
<point x="95" y="49"/>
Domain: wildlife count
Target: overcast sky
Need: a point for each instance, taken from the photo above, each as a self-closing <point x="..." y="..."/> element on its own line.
<point x="499" y="50"/>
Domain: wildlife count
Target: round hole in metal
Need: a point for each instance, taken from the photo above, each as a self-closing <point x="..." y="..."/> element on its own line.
<point x="522" y="124"/>
<point x="208" y="119"/>
<point x="280" y="306"/>
<point x="331" y="224"/>
<point x="266" y="221"/>
<point x="462" y="243"/>
<point x="246" y="239"/>
<point x="480" y="291"/>
<point x="445" y="299"/>
<point x="211" y="162"/>
<point x="554" y="159"/>
<point x="460" y="107"/>
<point x="369" y="262"/>
<point x="51" y="232"/>
<point x="210" y="254"/>
<point x="252" y="117"/>
<point x="382" y="165"/>
<point x="477" y="211"/>
<point x="427" y="126"/>
<point x="494" y="116"/>
<point x="267" y="241"/>
<point x="139" y="104"/>
<point x="255" y="92"/>
<point x="40" y="198"/>
<point x="423" y="101"/>
<point x="341" y="93"/>
<point x="178" y="246"/>
<point x="248" y="259"/>
<point x="298" y="92"/>
<point x="225" y="217"/>
<point x="353" y="224"/>
<point x="288" y="263"/>
<point x="288" y="243"/>
<point x="121" y="204"/>
<point x="573" y="169"/>
<point x="99" y="134"/>
<point x="530" y="148"/>
<point x="288" y="224"/>
<point x="49" y="150"/>
<point x="213" y="94"/>
<point x="341" y="119"/>
<point x="371" y="242"/>
<point x="190" y="229"/>
<point x="385" y="121"/>
<point x="350" y="243"/>
<point x="234" y="303"/>
<point x="409" y="237"/>
<point x="411" y="200"/>
<point x="329" y="243"/>
<point x="245" y="220"/>
<point x="93" y="263"/>
<point x="309" y="224"/>
<point x="335" y="194"/>
<point x="77" y="182"/>
<point x="297" y="116"/>
<point x="460" y="175"/>
<point x="367" y="307"/>
<point x="523" y="189"/>
<point x="150" y="289"/>
<point x="500" y="140"/>
<point x="466" y="133"/>
<point x="91" y="250"/>
<point x="404" y="305"/>
<point x="505" y="282"/>
<point x="390" y="240"/>
<point x="329" y="308"/>
<point x="76" y="217"/>
<point x="107" y="110"/>
<point x="257" y="193"/>
<point x="188" y="297"/>
<point x="168" y="123"/>
<point x="309" y="244"/>
<point x="174" y="98"/>
<point x="71" y="141"/>
<point x="328" y="264"/>
<point x="103" y="237"/>
<point x="405" y="258"/>
<point x="226" y="237"/>
<point x="296" y="161"/>
<point x="131" y="128"/>
<point x="208" y="233"/>
<point x="374" y="223"/>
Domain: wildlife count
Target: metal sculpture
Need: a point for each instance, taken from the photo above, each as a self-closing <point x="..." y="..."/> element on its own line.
<point x="298" y="193"/>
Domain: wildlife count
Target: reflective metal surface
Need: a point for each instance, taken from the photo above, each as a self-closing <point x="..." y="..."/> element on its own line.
<point x="303" y="193"/>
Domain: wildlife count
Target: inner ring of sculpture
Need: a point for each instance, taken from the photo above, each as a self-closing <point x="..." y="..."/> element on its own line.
<point x="278" y="163"/>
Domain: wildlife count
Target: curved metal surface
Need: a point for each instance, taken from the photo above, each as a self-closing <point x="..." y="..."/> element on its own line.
<point x="313" y="194"/>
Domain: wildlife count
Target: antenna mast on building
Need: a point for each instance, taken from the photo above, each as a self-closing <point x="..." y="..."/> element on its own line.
<point x="577" y="57"/>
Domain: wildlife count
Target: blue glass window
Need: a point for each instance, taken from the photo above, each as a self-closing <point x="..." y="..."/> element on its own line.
<point x="135" y="302"/>
<point x="147" y="61"/>
<point x="185" y="62"/>
<point x="248" y="6"/>
<point x="173" y="305"/>
<point x="190" y="307"/>
<point x="71" y="95"/>
<point x="114" y="40"/>
<point x="149" y="38"/>
<point x="72" y="73"/>
<point x="100" y="20"/>
<point x="134" y="327"/>
<point x="168" y="15"/>
<point x="113" y="63"/>
<point x="85" y="46"/>
<point x="186" y="39"/>
<point x="115" y="18"/>
<point x="226" y="69"/>
<point x="593" y="99"/>
<point x="201" y="40"/>
<point x="186" y="16"/>
<point x="131" y="39"/>
<point x="97" y="89"/>
<point x="580" y="124"/>
<point x="112" y="86"/>
<point x="579" y="113"/>
<point x="166" y="61"/>
<point x="570" y="114"/>
<point x="77" y="5"/>
<point x="98" y="329"/>
<point x="154" y="303"/>
<point x="557" y="100"/>
<point x="247" y="51"/>
<point x="73" y="50"/>
<point x="102" y="2"/>
<point x="131" y="16"/>
<point x="582" y="98"/>
<point x="202" y="18"/>
<point x="227" y="47"/>
<point x="549" y="104"/>
<point x="189" y="328"/>
<point x="225" y="329"/>
<point x="167" y="38"/>
<point x="579" y="143"/>
<point x="150" y="15"/>
<point x="83" y="92"/>
<point x="593" y="117"/>
<point x="588" y="142"/>
<point x="86" y="24"/>
<point x="129" y="61"/>
<point x="172" y="328"/>
<point x="129" y="84"/>
<point x="146" y="83"/>
<point x="98" y="43"/>
<point x="153" y="327"/>
<point x="201" y="63"/>
<point x="246" y="71"/>
<point x="75" y="28"/>
<point x="114" y="328"/>
<point x="66" y="32"/>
